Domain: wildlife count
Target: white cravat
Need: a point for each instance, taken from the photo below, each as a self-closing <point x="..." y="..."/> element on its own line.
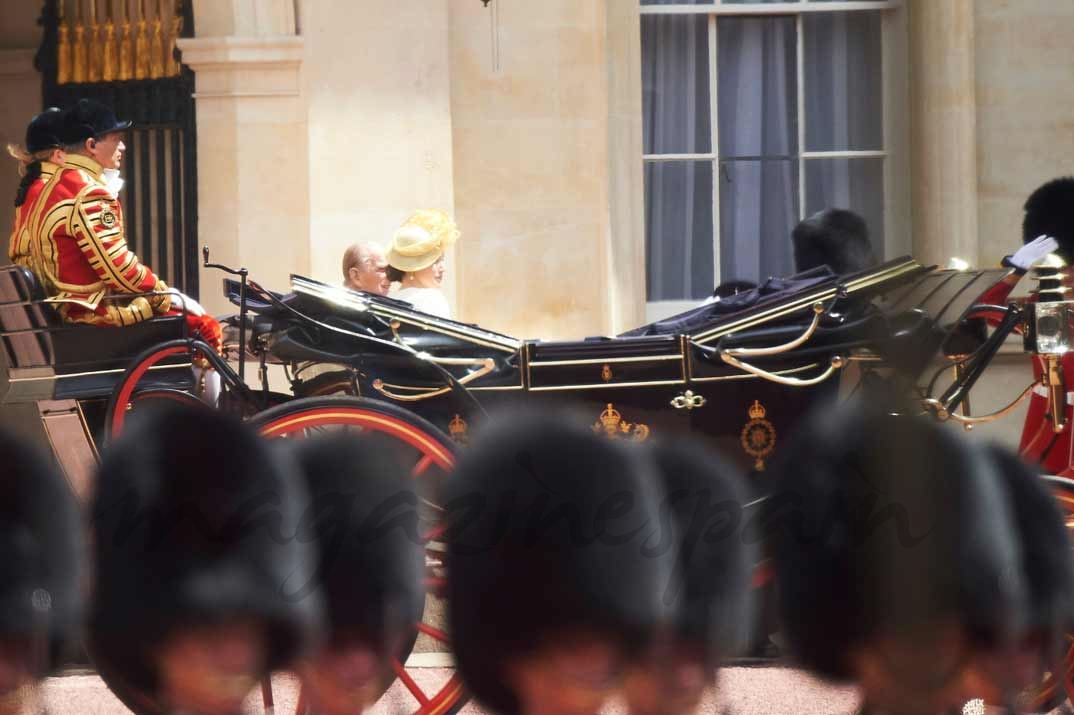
<point x="112" y="181"/>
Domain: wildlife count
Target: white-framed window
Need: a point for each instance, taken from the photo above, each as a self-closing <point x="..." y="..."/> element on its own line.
<point x="757" y="114"/>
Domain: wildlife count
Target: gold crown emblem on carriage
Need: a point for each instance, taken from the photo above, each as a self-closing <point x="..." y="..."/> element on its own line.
<point x="757" y="411"/>
<point x="458" y="428"/>
<point x="612" y="424"/>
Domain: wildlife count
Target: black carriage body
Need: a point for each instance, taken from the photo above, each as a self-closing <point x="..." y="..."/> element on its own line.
<point x="667" y="378"/>
<point x="677" y="376"/>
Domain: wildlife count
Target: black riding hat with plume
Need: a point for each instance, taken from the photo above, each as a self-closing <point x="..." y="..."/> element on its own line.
<point x="195" y="519"/>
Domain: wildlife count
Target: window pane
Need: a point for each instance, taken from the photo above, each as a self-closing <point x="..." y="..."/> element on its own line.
<point x="758" y="210"/>
<point x="855" y="184"/>
<point x="675" y="84"/>
<point x="678" y="230"/>
<point x="843" y="81"/>
<point x="676" y="2"/>
<point x="757" y="86"/>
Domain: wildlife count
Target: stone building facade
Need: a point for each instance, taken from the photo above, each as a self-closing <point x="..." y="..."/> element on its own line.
<point x="322" y="122"/>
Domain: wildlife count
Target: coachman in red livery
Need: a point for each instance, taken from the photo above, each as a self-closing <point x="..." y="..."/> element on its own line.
<point x="79" y="248"/>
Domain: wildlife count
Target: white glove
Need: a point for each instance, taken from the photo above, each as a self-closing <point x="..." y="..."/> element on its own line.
<point x="1030" y="253"/>
<point x="179" y="301"/>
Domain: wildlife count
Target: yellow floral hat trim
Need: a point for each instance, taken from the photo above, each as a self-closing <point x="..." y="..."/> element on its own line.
<point x="421" y="240"/>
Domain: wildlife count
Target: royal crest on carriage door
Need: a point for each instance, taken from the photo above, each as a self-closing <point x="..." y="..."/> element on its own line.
<point x="758" y="435"/>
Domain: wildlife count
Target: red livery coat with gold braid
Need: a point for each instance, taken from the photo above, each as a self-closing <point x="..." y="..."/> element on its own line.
<point x="80" y="252"/>
<point x="19" y="247"/>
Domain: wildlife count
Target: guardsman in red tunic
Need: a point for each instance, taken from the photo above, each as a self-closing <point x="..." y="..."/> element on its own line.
<point x="1048" y="226"/>
<point x="39" y="158"/>
<point x="80" y="250"/>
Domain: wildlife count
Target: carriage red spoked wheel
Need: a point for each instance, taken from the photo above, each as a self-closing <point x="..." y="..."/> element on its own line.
<point x="1058" y="684"/>
<point x="432" y="458"/>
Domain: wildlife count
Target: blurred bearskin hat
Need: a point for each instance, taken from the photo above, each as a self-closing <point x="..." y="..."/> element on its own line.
<point x="710" y="593"/>
<point x="889" y="525"/>
<point x="194" y="518"/>
<point x="371" y="558"/>
<point x="1046" y="549"/>
<point x="548" y="541"/>
<point x="836" y="238"/>
<point x="1049" y="210"/>
<point x="43" y="551"/>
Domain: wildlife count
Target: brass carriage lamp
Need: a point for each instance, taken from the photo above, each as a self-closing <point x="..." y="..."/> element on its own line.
<point x="1048" y="333"/>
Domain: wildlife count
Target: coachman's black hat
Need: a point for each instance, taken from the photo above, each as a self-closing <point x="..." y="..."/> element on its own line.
<point x="45" y="131"/>
<point x="88" y="119"/>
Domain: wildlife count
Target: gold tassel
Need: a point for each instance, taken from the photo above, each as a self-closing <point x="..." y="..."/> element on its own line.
<point x="126" y="46"/>
<point x="94" y="55"/>
<point x="172" y="64"/>
<point x="156" y="45"/>
<point x="63" y="48"/>
<point x="141" y="45"/>
<point x="110" y="66"/>
<point x="78" y="72"/>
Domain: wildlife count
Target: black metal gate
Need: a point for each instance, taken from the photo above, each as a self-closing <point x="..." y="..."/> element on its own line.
<point x="122" y="53"/>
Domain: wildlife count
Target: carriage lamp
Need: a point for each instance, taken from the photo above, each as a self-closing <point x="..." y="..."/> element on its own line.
<point x="1048" y="328"/>
<point x="1048" y="317"/>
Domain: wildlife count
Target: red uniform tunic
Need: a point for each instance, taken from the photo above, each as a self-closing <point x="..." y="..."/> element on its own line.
<point x="78" y="250"/>
<point x="1039" y="443"/>
<point x="18" y="250"/>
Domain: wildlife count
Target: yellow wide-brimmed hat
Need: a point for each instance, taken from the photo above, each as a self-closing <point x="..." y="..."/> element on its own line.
<point x="421" y="240"/>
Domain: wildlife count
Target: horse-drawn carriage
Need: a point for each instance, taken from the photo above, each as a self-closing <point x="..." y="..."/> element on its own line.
<point x="738" y="373"/>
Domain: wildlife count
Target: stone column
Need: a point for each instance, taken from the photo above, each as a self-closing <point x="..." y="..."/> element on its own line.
<point x="253" y="171"/>
<point x="943" y="111"/>
<point x="376" y="76"/>
<point x="626" y="190"/>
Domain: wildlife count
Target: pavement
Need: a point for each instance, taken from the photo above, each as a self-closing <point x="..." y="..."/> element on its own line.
<point x="742" y="691"/>
<point x="767" y="690"/>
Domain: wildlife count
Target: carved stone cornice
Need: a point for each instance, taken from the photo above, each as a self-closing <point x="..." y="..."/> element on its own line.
<point x="244" y="66"/>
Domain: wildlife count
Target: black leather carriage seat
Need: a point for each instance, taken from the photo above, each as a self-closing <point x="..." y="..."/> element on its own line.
<point x="48" y="359"/>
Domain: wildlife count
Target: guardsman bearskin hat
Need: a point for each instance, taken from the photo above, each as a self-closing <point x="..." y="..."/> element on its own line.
<point x="887" y="526"/>
<point x="195" y="519"/>
<point x="1050" y="211"/>
<point x="836" y="238"/>
<point x="372" y="560"/>
<point x="42" y="550"/>
<point x="711" y="595"/>
<point x="1046" y="547"/>
<point x="549" y="528"/>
